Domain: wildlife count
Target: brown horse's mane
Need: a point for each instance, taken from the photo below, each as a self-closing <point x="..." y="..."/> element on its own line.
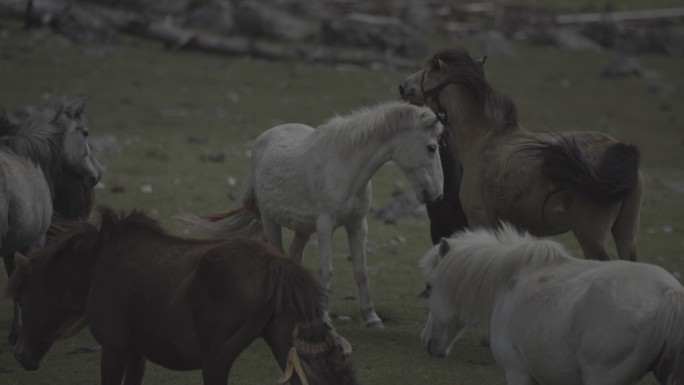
<point x="295" y="291"/>
<point x="468" y="73"/>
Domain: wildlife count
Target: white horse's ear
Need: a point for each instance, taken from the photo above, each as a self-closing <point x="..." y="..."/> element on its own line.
<point x="78" y="107"/>
<point x="427" y="117"/>
<point x="444" y="247"/>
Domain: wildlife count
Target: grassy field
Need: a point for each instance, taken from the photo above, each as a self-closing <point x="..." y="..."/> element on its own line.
<point x="172" y="111"/>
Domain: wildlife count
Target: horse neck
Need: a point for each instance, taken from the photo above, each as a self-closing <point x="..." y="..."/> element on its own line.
<point x="363" y="164"/>
<point x="470" y="128"/>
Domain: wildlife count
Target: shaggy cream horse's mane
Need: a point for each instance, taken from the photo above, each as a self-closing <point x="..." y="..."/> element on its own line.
<point x="381" y="120"/>
<point x="480" y="263"/>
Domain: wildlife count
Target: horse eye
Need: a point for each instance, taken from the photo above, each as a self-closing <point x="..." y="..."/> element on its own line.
<point x="432" y="147"/>
<point x="428" y="289"/>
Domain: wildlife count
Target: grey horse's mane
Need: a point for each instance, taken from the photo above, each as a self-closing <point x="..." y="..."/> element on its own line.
<point x="357" y="127"/>
<point x="481" y="262"/>
<point x="41" y="136"/>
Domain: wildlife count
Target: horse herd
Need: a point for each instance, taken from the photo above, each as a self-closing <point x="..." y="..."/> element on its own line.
<point x="196" y="304"/>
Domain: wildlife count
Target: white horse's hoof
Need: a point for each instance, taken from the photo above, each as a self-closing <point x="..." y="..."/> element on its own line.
<point x="375" y="324"/>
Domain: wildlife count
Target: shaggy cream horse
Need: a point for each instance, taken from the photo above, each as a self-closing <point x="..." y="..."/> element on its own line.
<point x="553" y="319"/>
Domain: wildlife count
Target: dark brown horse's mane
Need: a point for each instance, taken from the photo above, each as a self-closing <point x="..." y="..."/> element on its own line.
<point x="135" y="221"/>
<point x="295" y="291"/>
<point x="468" y="73"/>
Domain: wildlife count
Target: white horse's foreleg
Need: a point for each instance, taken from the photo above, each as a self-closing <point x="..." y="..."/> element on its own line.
<point x="273" y="233"/>
<point x="357" y="233"/>
<point x="519" y="378"/>
<point x="324" y="230"/>
<point x="297" y="246"/>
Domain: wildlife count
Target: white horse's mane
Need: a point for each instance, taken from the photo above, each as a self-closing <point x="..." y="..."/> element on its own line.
<point x="479" y="263"/>
<point x="383" y="119"/>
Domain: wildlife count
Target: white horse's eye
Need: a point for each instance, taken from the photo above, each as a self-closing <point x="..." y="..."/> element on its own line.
<point x="432" y="147"/>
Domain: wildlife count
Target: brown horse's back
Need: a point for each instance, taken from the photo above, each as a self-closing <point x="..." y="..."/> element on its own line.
<point x="171" y="298"/>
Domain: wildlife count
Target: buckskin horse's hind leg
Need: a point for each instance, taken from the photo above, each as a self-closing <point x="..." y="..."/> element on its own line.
<point x="135" y="369"/>
<point x="626" y="225"/>
<point x="113" y="365"/>
<point x="591" y="224"/>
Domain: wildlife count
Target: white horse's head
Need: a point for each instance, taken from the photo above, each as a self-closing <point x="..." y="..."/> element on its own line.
<point x="444" y="324"/>
<point x="416" y="155"/>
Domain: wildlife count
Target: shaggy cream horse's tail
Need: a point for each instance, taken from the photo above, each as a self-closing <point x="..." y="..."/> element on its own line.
<point x="243" y="222"/>
<point x="669" y="329"/>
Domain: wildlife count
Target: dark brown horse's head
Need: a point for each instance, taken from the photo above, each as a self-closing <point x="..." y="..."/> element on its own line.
<point x="319" y="356"/>
<point x="52" y="287"/>
<point x="446" y="67"/>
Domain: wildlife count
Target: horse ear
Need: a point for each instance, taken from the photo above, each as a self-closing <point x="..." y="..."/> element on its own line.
<point x="78" y="107"/>
<point x="444" y="247"/>
<point x="481" y="61"/>
<point x="440" y="64"/>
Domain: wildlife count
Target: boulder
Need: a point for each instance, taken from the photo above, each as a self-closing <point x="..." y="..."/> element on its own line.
<point x="262" y="19"/>
<point x="379" y="32"/>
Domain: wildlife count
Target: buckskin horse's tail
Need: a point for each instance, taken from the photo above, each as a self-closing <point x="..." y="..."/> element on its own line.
<point x="668" y="329"/>
<point x="243" y="222"/>
<point x="616" y="175"/>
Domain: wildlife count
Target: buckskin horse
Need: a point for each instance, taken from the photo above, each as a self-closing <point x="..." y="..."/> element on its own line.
<point x="546" y="183"/>
<point x="181" y="303"/>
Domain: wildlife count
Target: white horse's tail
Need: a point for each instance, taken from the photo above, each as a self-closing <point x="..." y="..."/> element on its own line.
<point x="243" y="222"/>
<point x="669" y="329"/>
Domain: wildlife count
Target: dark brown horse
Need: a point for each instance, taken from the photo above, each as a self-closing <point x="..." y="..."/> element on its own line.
<point x="183" y="304"/>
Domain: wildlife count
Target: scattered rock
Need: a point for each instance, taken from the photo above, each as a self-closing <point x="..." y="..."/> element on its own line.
<point x="403" y="205"/>
<point x="146" y="188"/>
<point x="623" y="66"/>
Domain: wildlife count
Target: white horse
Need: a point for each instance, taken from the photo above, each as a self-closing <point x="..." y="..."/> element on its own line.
<point x="553" y="319"/>
<point x="36" y="157"/>
<point x="317" y="180"/>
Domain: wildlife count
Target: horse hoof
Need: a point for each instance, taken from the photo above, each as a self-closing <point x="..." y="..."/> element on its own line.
<point x="375" y="324"/>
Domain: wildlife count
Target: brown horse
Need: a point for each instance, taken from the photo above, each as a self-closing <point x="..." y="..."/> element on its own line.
<point x="183" y="304"/>
<point x="586" y="182"/>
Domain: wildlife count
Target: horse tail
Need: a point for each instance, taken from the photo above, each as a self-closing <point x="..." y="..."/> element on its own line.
<point x="295" y="290"/>
<point x="669" y="328"/>
<point x="616" y="175"/>
<point x="243" y="222"/>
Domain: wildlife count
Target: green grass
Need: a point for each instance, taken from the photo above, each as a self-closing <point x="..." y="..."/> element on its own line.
<point x="153" y="100"/>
